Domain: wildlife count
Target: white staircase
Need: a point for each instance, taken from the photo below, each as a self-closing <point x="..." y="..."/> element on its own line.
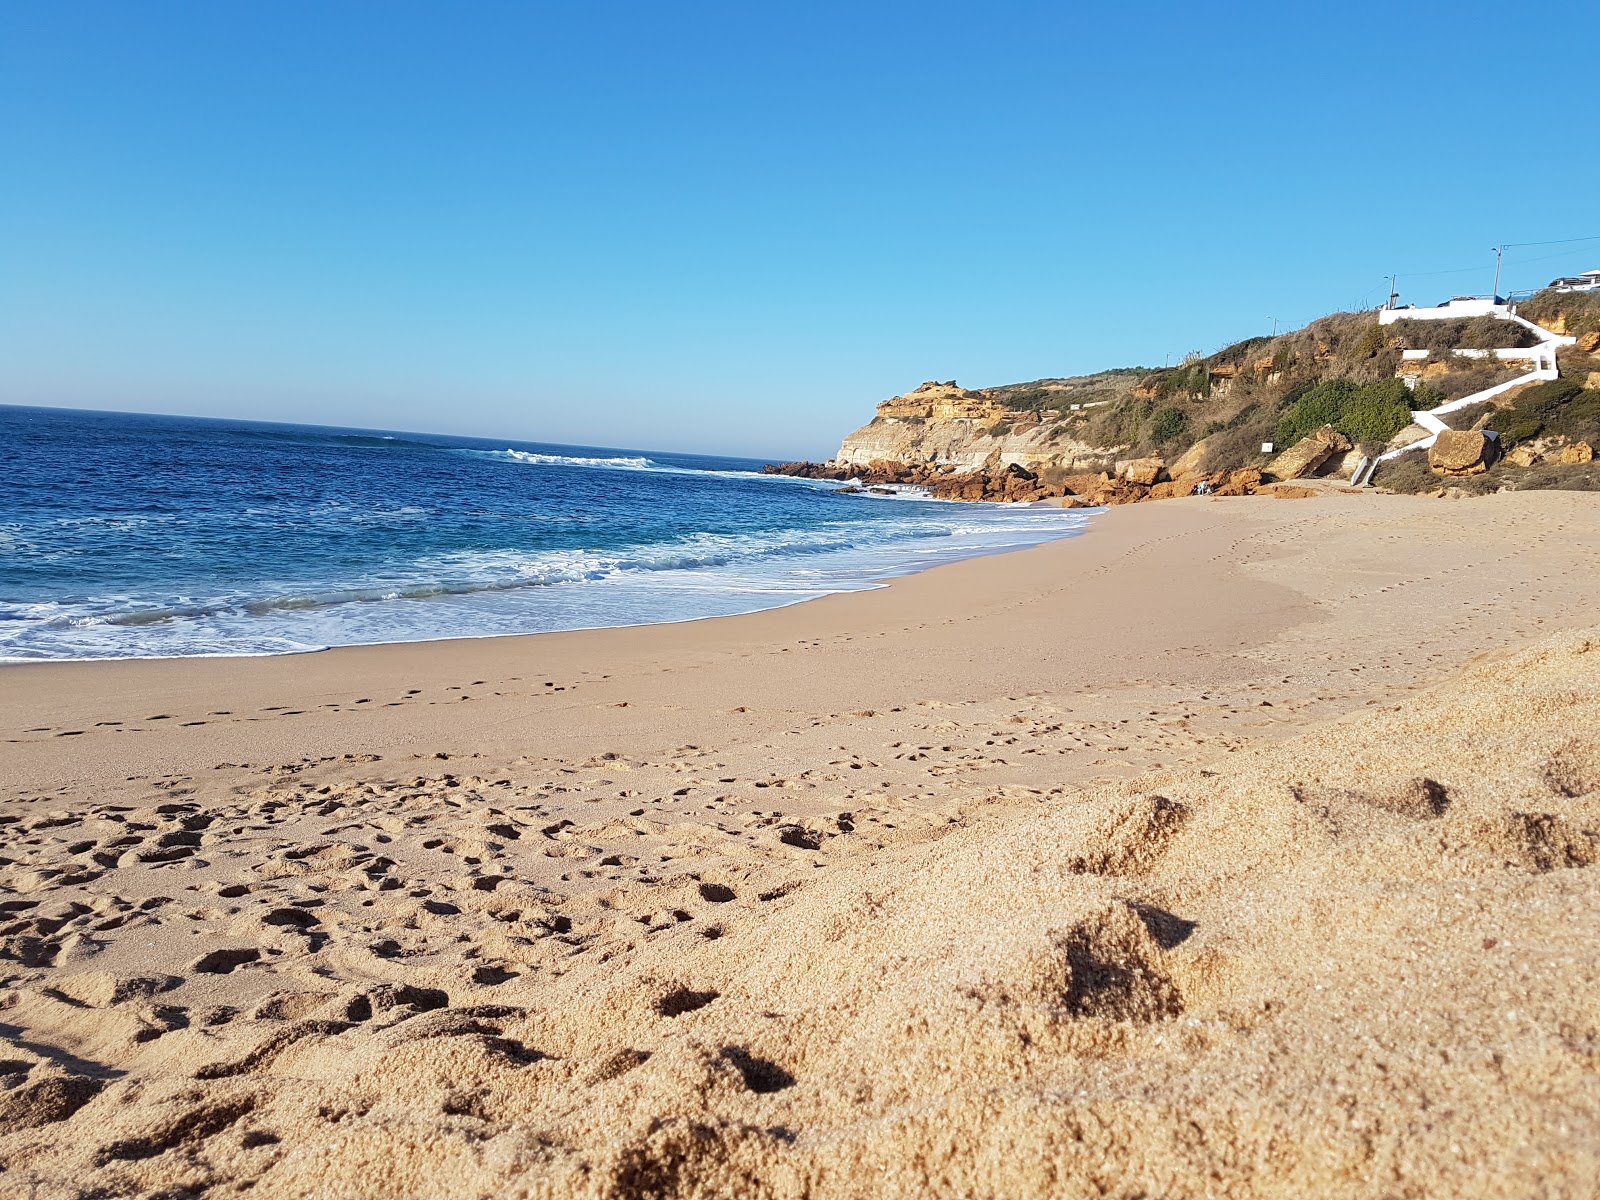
<point x="1543" y="357"/>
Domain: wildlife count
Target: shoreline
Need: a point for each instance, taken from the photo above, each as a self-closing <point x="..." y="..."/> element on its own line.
<point x="873" y="585"/>
<point x="91" y="692"/>
<point x="378" y="696"/>
<point x="677" y="578"/>
<point x="1006" y="874"/>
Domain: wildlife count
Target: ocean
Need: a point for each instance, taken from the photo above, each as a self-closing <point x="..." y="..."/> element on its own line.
<point x="136" y="536"/>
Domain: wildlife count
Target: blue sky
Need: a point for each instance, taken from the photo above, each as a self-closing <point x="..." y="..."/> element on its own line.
<point x="735" y="227"/>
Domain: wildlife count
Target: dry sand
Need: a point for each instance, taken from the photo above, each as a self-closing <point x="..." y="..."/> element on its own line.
<point x="1236" y="848"/>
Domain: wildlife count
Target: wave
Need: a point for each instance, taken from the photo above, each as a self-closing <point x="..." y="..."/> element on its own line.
<point x="567" y="460"/>
<point x="641" y="463"/>
<point x="488" y="592"/>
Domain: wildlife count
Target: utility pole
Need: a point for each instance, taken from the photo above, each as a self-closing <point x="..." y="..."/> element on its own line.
<point x="1274" y="321"/>
<point x="1499" y="252"/>
<point x="1394" y="293"/>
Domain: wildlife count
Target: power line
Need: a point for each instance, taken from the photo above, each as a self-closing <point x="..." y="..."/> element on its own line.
<point x="1557" y="242"/>
<point x="1522" y="262"/>
<point x="1452" y="271"/>
<point x="1507" y="246"/>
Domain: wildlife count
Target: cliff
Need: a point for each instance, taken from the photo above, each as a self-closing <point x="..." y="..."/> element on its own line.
<point x="1342" y="381"/>
<point x="940" y="424"/>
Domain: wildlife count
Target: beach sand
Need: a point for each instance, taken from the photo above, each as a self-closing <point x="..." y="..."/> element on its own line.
<point x="1234" y="848"/>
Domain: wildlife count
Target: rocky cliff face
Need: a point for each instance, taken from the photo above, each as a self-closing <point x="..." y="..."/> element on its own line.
<point x="941" y="424"/>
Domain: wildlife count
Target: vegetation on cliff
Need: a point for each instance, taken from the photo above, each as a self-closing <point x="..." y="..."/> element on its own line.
<point x="1342" y="378"/>
<point x="1341" y="370"/>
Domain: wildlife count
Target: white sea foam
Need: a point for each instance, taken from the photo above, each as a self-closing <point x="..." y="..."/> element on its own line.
<point x="483" y="593"/>
<point x="565" y="460"/>
<point x="640" y="463"/>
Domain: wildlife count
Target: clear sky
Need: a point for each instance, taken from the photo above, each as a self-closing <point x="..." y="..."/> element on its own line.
<point x="734" y="227"/>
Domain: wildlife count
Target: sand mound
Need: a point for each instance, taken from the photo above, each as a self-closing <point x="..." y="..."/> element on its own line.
<point x="1362" y="963"/>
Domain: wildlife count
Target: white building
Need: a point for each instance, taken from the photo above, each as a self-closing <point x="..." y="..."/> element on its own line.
<point x="1458" y="308"/>
<point x="1584" y="281"/>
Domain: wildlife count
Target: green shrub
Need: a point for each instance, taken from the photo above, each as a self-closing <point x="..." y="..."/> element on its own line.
<point x="1168" y="424"/>
<point x="1374" y="412"/>
<point x="1320" y="405"/>
<point x="1516" y="426"/>
<point x="1545" y="398"/>
<point x="1560" y="406"/>
<point x="1191" y="379"/>
<point x="1289" y="397"/>
<point x="1424" y="397"/>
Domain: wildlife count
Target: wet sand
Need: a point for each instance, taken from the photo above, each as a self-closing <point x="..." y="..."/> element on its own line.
<point x="1236" y="847"/>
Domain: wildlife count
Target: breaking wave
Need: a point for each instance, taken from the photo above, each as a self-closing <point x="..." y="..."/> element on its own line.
<point x="566" y="460"/>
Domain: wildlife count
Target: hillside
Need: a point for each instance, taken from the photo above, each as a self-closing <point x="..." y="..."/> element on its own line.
<point x="1344" y="378"/>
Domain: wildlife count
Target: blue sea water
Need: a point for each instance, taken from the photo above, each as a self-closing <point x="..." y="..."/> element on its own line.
<point x="133" y="536"/>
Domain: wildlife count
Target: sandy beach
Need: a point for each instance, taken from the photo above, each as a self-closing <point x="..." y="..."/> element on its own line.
<point x="1233" y="848"/>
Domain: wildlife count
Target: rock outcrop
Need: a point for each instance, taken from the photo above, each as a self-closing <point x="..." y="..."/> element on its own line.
<point x="1550" y="450"/>
<point x="1576" y="454"/>
<point x="1310" y="452"/>
<point x="1143" y="471"/>
<point x="970" y="445"/>
<point x="1018" y="484"/>
<point x="944" y="425"/>
<point x="1458" y="452"/>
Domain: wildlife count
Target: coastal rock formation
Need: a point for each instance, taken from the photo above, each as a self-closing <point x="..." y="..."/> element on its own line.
<point x="1577" y="454"/>
<point x="1310" y="452"/>
<point x="1191" y="460"/>
<point x="1459" y="452"/>
<point x="1143" y="471"/>
<point x="941" y="424"/>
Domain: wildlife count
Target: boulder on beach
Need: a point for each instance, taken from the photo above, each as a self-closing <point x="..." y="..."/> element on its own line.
<point x="1310" y="452"/>
<point x="1143" y="471"/>
<point x="1179" y="485"/>
<point x="1243" y="482"/>
<point x="1458" y="452"/>
<point x="1576" y="454"/>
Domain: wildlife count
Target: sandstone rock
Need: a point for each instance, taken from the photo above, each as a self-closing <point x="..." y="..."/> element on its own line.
<point x="1410" y="435"/>
<point x="1243" y="482"/>
<point x="1463" y="452"/>
<point x="1524" y="455"/>
<point x="1190" y="461"/>
<point x="1143" y="471"/>
<point x="1118" y="491"/>
<point x="1343" y="465"/>
<point x="1179" y="485"/>
<point x="1085" y="485"/>
<point x="1289" y="491"/>
<point x="1592" y="382"/>
<point x="1589" y="342"/>
<point x="1576" y="454"/>
<point x="1309" y="453"/>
